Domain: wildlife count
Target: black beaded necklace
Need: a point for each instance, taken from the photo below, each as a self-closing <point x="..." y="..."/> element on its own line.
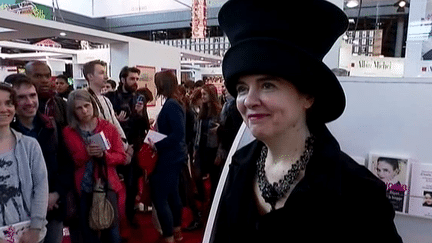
<point x="272" y="193"/>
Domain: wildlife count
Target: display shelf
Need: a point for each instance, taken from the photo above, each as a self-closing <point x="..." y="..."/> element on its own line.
<point x="413" y="216"/>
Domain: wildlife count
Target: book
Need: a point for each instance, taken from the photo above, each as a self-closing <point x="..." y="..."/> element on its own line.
<point x="13" y="233"/>
<point x="100" y="139"/>
<point x="154" y="136"/>
<point x="420" y="201"/>
<point x="393" y="170"/>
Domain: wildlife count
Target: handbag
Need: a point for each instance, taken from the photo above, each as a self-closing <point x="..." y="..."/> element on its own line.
<point x="147" y="158"/>
<point x="103" y="212"/>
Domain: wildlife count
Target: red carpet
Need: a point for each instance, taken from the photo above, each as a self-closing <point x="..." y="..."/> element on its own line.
<point x="146" y="232"/>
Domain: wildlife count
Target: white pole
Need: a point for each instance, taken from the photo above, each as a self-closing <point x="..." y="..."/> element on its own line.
<point x="243" y="137"/>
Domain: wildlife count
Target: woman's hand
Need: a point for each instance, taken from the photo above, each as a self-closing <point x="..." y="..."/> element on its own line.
<point x="95" y="150"/>
<point x="121" y="117"/>
<point x="30" y="236"/>
<point x="151" y="143"/>
<point x="129" y="154"/>
<point x="151" y="121"/>
<point x="53" y="200"/>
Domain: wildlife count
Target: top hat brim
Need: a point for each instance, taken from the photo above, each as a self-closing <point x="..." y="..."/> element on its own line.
<point x="282" y="59"/>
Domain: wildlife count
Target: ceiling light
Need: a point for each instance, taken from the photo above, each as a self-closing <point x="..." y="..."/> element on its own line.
<point x="401" y="5"/>
<point x="352" y="3"/>
<point x="62" y="34"/>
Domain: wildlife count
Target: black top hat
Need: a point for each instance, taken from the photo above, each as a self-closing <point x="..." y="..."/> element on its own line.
<point x="267" y="38"/>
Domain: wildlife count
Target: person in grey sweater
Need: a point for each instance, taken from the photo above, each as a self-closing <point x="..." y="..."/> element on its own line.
<point x="23" y="175"/>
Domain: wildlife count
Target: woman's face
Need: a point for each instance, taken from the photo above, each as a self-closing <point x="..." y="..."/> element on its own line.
<point x="83" y="111"/>
<point x="7" y="108"/>
<point x="205" y="96"/>
<point x="385" y="171"/>
<point x="428" y="199"/>
<point x="271" y="106"/>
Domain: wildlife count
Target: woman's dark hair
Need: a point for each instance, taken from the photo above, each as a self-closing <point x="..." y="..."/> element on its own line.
<point x="393" y="162"/>
<point x="195" y="96"/>
<point x="212" y="108"/>
<point x="8" y="88"/>
<point x="146" y="93"/>
<point x="64" y="77"/>
<point x="167" y="85"/>
<point x="112" y="83"/>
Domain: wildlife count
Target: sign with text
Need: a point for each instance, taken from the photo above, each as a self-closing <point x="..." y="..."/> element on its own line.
<point x="362" y="66"/>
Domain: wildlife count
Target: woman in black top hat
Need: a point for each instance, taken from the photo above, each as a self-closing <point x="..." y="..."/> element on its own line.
<point x="293" y="184"/>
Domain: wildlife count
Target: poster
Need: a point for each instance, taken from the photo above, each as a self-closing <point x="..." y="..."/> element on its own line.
<point x="147" y="80"/>
<point x="420" y="202"/>
<point x="393" y="171"/>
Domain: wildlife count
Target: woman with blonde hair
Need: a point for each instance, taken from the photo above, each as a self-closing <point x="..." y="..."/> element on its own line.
<point x="93" y="162"/>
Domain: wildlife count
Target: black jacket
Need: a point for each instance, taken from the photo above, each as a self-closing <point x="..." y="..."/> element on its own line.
<point x="336" y="201"/>
<point x="59" y="165"/>
<point x="123" y="102"/>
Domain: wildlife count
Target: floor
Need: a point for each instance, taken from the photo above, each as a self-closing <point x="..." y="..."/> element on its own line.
<point x="146" y="232"/>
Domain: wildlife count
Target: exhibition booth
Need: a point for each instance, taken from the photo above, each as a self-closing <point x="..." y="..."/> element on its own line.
<point x="388" y="111"/>
<point x="116" y="50"/>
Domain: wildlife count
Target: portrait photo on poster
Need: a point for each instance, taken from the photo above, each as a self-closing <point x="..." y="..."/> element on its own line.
<point x="393" y="170"/>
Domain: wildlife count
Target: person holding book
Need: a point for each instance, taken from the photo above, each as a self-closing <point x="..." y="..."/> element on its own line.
<point x="172" y="156"/>
<point x="91" y="159"/>
<point x="293" y="183"/>
<point x="23" y="176"/>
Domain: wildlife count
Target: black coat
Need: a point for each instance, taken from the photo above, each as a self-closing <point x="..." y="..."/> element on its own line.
<point x="336" y="201"/>
<point x="57" y="159"/>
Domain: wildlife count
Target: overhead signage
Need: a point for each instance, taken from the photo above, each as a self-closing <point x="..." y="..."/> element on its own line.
<point x="24" y="8"/>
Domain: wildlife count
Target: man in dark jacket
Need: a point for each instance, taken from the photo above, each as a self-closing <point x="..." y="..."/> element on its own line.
<point x="124" y="99"/>
<point x="49" y="104"/>
<point x="33" y="123"/>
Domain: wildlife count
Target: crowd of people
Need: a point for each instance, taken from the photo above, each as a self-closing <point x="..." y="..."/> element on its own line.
<point x="51" y="165"/>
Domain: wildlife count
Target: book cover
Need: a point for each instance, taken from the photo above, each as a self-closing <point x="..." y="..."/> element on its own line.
<point x="100" y="139"/>
<point x="393" y="170"/>
<point x="420" y="202"/>
<point x="13" y="233"/>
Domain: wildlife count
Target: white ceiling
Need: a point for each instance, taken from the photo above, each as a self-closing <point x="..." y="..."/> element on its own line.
<point x="104" y="8"/>
<point x="24" y="27"/>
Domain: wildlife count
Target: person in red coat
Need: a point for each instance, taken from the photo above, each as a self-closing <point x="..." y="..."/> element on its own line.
<point x="83" y="123"/>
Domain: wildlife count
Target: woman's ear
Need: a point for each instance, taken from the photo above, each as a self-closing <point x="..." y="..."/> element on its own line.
<point x="309" y="100"/>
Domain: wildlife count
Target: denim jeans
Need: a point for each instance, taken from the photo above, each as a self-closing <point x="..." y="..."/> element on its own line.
<point x="54" y="231"/>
